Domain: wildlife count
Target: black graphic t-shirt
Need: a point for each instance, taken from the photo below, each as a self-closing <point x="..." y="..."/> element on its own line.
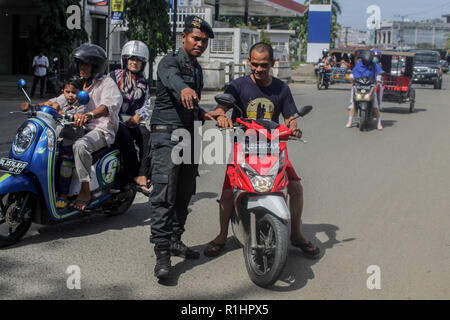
<point x="262" y="102"/>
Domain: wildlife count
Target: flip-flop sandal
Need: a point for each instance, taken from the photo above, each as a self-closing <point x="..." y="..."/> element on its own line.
<point x="307" y="248"/>
<point x="80" y="202"/>
<point x="214" y="249"/>
<point x="61" y="203"/>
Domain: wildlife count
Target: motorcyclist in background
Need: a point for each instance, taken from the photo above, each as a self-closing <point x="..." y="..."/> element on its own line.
<point x="366" y="68"/>
<point x="325" y="59"/>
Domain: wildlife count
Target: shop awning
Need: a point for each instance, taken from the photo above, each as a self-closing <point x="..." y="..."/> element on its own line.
<point x="281" y="8"/>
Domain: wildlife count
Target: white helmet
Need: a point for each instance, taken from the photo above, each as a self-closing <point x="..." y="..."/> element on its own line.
<point x="134" y="48"/>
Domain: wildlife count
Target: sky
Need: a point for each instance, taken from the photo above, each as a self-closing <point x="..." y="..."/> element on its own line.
<point x="354" y="11"/>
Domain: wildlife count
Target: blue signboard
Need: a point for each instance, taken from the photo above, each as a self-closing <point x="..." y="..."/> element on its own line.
<point x="319" y="27"/>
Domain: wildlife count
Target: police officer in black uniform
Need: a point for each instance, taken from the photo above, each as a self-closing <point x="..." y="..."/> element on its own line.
<point x="178" y="91"/>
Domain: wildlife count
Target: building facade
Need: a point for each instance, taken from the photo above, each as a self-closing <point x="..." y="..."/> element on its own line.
<point x="412" y="34"/>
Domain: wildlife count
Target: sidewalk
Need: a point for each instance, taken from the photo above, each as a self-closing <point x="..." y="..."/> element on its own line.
<point x="303" y="73"/>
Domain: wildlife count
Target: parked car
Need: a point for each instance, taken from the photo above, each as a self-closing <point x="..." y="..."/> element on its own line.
<point x="444" y="66"/>
<point x="427" y="69"/>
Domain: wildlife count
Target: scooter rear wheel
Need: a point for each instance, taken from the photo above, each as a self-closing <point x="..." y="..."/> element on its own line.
<point x="124" y="202"/>
<point x="14" y="222"/>
<point x="265" y="263"/>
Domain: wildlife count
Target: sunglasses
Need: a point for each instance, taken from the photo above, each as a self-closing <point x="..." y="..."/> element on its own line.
<point x="262" y="65"/>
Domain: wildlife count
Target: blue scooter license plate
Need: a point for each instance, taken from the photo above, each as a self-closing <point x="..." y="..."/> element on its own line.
<point x="12" y="166"/>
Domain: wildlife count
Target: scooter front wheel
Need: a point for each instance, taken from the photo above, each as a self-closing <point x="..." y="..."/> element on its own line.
<point x="15" y="217"/>
<point x="265" y="262"/>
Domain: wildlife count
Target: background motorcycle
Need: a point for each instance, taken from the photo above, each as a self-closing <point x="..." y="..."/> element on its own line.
<point x="363" y="97"/>
<point x="28" y="190"/>
<point x="260" y="218"/>
<point x="323" y="77"/>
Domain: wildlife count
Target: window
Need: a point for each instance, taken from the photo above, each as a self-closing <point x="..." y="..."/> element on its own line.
<point x="222" y="43"/>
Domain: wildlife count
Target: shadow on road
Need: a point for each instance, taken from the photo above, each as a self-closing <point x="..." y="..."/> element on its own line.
<point x="297" y="270"/>
<point x="203" y="195"/>
<point x="186" y="265"/>
<point x="53" y="286"/>
<point x="404" y="109"/>
<point x="137" y="215"/>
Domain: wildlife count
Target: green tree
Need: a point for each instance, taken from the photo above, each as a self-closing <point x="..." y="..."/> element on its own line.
<point x="56" y="40"/>
<point x="264" y="36"/>
<point x="148" y="21"/>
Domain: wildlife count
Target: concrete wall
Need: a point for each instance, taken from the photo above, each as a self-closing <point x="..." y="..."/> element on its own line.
<point x="213" y="75"/>
<point x="282" y="70"/>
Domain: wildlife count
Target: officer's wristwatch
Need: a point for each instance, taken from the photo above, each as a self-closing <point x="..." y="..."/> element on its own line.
<point x="91" y="114"/>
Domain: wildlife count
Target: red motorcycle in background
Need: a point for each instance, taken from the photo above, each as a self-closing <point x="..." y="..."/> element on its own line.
<point x="261" y="219"/>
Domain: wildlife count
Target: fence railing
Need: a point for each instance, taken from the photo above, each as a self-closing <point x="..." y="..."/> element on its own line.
<point x="182" y="13"/>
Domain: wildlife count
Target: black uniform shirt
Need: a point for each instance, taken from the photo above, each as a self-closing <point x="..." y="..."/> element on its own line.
<point x="175" y="73"/>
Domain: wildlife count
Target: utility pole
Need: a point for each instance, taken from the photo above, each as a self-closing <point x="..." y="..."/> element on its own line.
<point x="400" y="29"/>
<point x="346" y="36"/>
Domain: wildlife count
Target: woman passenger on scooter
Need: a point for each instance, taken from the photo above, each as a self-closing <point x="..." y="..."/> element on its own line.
<point x="136" y="105"/>
<point x="102" y="117"/>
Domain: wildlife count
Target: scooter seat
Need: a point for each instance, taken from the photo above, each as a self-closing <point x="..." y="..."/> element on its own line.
<point x="97" y="155"/>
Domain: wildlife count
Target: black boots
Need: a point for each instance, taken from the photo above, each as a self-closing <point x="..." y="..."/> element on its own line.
<point x="179" y="249"/>
<point x="162" y="267"/>
<point x="163" y="252"/>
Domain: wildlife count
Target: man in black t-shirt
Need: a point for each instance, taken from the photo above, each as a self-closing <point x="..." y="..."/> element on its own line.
<point x="260" y="95"/>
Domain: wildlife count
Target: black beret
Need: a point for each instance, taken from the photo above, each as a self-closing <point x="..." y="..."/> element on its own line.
<point x="197" y="22"/>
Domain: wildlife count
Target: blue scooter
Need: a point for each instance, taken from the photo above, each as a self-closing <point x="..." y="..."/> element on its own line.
<point x="27" y="187"/>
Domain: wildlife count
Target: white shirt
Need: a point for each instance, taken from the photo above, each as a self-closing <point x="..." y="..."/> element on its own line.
<point x="104" y="91"/>
<point x="40" y="71"/>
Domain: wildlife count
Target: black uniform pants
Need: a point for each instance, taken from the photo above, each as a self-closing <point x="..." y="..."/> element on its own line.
<point x="173" y="187"/>
<point x="125" y="139"/>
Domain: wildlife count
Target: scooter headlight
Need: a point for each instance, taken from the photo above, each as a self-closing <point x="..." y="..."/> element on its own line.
<point x="24" y="137"/>
<point x="262" y="184"/>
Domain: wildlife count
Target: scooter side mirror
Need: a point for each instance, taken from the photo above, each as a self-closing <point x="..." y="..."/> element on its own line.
<point x="305" y="110"/>
<point x="21" y="84"/>
<point x="83" y="97"/>
<point x="225" y="99"/>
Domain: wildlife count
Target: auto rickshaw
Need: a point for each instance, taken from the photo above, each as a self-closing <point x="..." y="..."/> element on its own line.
<point x="340" y="70"/>
<point x="398" y="69"/>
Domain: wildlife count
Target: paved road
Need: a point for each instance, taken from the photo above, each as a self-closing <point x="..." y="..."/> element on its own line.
<point x="371" y="198"/>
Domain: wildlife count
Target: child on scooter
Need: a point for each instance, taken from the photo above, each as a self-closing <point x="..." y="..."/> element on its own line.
<point x="66" y="104"/>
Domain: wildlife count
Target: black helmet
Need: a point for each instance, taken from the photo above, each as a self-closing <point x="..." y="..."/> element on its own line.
<point x="90" y="54"/>
<point x="366" y="57"/>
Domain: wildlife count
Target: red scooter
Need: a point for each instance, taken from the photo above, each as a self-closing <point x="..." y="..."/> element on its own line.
<point x="260" y="218"/>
